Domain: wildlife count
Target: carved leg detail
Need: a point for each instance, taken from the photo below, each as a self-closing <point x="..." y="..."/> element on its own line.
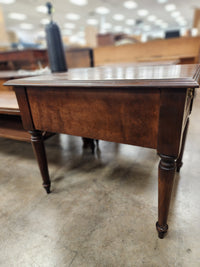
<point x="166" y="174"/>
<point x="40" y="154"/>
<point x="179" y="160"/>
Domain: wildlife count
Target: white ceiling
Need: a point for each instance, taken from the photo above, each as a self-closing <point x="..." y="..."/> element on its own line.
<point x="63" y="7"/>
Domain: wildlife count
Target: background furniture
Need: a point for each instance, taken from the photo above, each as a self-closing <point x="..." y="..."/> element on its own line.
<point x="185" y="50"/>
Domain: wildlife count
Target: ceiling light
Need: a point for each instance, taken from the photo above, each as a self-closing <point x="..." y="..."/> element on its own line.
<point x="118" y="28"/>
<point x="69" y="25"/>
<point x="146" y="27"/>
<point x="170" y="7"/>
<point x="130" y="4"/>
<point x="44" y="21"/>
<point x="102" y="10"/>
<point x="118" y="17"/>
<point x="26" y="26"/>
<point x="143" y="12"/>
<point x="79" y="2"/>
<point x="66" y="32"/>
<point x="73" y="16"/>
<point x="162" y="1"/>
<point x="182" y="23"/>
<point x="81" y="34"/>
<point x="42" y="9"/>
<point x="180" y="18"/>
<point x="175" y="14"/>
<point x="7" y="2"/>
<point x="17" y="16"/>
<point x="76" y="39"/>
<point x="92" y="21"/>
<point x="151" y="18"/>
<point x="41" y="34"/>
<point x="164" y="25"/>
<point x="159" y="22"/>
<point x="107" y="26"/>
<point x="127" y="31"/>
<point x="130" y="22"/>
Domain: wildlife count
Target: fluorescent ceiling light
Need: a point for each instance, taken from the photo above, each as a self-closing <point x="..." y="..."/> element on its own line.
<point x="118" y="17"/>
<point x="17" y="16"/>
<point x="102" y="10"/>
<point x="146" y="27"/>
<point x="179" y="19"/>
<point x="7" y="2"/>
<point x="92" y="21"/>
<point x="81" y="34"/>
<point x="127" y="31"/>
<point x="162" y="1"/>
<point x="107" y="26"/>
<point x="118" y="28"/>
<point x="67" y="32"/>
<point x="159" y="22"/>
<point x="130" y="4"/>
<point x="164" y="25"/>
<point x="76" y="39"/>
<point x="42" y="9"/>
<point x="44" y="21"/>
<point x="69" y="25"/>
<point x="170" y="7"/>
<point x="73" y="16"/>
<point x="26" y="26"/>
<point x="151" y="18"/>
<point x="79" y="2"/>
<point x="130" y="22"/>
<point x="143" y="12"/>
<point x="175" y="14"/>
<point x="182" y="23"/>
<point x="41" y="34"/>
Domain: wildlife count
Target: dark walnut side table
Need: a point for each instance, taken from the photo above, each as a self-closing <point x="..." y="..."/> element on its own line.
<point x="147" y="106"/>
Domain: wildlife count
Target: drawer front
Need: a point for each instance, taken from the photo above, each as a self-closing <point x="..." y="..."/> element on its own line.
<point x="122" y="115"/>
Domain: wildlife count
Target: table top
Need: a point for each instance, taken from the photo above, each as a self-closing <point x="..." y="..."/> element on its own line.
<point x="157" y="76"/>
<point x="12" y="74"/>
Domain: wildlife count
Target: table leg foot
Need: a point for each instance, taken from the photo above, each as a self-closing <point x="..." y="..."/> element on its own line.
<point x="47" y="188"/>
<point x="162" y="230"/>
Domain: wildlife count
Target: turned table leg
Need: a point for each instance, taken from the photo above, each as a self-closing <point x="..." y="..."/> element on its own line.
<point x="166" y="174"/>
<point x="179" y="160"/>
<point x="39" y="150"/>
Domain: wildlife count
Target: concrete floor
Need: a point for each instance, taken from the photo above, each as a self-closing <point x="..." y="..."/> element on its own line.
<point x="103" y="208"/>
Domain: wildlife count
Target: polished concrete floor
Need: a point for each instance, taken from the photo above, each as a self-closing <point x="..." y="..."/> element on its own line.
<point x="103" y="208"/>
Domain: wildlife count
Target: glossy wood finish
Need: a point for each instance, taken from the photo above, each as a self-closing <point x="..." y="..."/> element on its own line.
<point x="136" y="76"/>
<point x="138" y="105"/>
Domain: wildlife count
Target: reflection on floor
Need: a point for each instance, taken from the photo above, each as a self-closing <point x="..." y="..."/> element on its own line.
<point x="103" y="207"/>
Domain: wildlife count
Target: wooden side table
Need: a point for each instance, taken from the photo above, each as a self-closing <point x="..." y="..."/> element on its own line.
<point x="147" y="106"/>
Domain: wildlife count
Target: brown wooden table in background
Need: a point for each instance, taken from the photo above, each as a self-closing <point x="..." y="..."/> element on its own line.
<point x="147" y="106"/>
